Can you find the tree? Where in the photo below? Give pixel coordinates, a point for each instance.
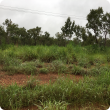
(106, 25)
(34, 34)
(11, 31)
(68, 28)
(7, 23)
(80, 32)
(95, 21)
(46, 38)
(76, 41)
(2, 34)
(60, 39)
(23, 35)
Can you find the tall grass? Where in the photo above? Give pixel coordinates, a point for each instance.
(76, 60)
(22, 59)
(63, 90)
(68, 54)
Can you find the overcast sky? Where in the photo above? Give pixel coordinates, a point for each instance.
(50, 15)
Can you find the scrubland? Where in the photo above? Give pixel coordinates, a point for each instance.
(91, 62)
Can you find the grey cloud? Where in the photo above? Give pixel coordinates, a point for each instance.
(48, 23)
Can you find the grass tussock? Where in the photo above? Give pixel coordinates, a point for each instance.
(78, 60)
(62, 90)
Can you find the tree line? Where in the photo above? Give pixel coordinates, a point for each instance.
(94, 32)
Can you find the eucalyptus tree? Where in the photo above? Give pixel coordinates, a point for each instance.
(23, 36)
(106, 26)
(34, 34)
(60, 40)
(94, 19)
(68, 28)
(7, 24)
(2, 35)
(11, 31)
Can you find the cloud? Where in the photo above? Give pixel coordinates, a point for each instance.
(52, 24)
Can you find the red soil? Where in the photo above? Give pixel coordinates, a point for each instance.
(22, 79)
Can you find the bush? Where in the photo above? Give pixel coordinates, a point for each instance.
(24, 68)
(99, 70)
(38, 64)
(44, 70)
(58, 66)
(77, 70)
(83, 62)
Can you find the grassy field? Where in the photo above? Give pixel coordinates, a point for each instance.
(88, 94)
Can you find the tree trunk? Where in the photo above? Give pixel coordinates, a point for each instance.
(96, 39)
(105, 38)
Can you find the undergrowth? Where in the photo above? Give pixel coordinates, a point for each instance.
(62, 90)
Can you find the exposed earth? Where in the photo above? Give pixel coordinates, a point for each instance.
(21, 79)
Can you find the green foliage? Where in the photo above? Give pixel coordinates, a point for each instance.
(23, 68)
(107, 57)
(58, 66)
(67, 29)
(92, 49)
(47, 54)
(98, 70)
(43, 70)
(38, 64)
(29, 54)
(77, 70)
(53, 105)
(35, 33)
(94, 22)
(83, 62)
(97, 21)
(57, 95)
(31, 83)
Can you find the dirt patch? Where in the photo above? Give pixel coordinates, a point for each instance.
(21, 79)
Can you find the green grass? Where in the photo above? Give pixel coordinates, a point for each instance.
(86, 61)
(63, 90)
(43, 70)
(28, 59)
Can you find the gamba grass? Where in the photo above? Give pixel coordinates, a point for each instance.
(27, 59)
(62, 90)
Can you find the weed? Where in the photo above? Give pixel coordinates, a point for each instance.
(24, 68)
(31, 83)
(53, 105)
(43, 70)
(38, 64)
(77, 70)
(58, 66)
(83, 62)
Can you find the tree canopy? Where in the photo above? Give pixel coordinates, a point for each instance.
(94, 32)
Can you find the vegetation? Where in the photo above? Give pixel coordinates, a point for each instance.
(95, 32)
(63, 92)
(30, 52)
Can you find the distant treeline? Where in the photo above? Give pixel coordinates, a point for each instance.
(95, 32)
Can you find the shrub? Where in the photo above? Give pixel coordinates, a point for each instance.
(38, 63)
(8, 61)
(24, 68)
(82, 61)
(58, 66)
(77, 70)
(31, 83)
(44, 70)
(99, 70)
(53, 105)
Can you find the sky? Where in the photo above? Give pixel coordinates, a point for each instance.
(50, 15)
